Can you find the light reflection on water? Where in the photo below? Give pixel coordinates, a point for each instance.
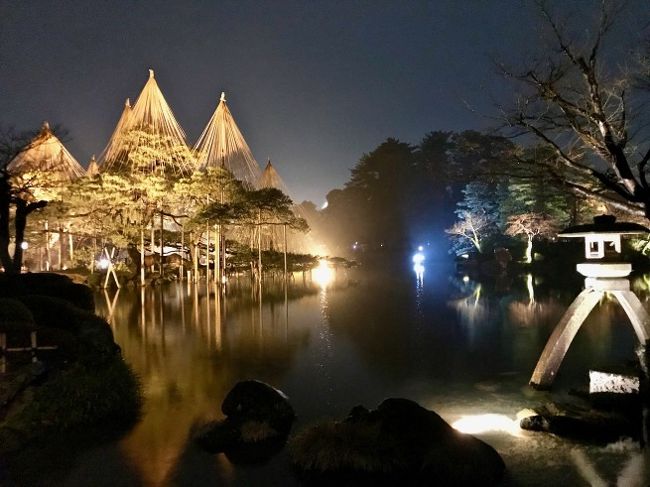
(458, 346)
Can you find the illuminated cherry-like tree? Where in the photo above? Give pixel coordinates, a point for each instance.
(531, 226)
(471, 228)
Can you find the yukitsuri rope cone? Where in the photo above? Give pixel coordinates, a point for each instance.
(273, 236)
(46, 155)
(148, 138)
(222, 145)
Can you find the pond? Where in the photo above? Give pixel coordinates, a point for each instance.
(459, 346)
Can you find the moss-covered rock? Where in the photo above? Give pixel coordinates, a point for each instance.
(83, 382)
(68, 398)
(259, 418)
(399, 443)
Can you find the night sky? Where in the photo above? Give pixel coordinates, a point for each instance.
(312, 85)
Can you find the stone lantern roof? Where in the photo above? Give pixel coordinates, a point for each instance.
(604, 224)
(603, 246)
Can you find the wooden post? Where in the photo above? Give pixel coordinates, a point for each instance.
(60, 248)
(195, 261)
(224, 248)
(217, 256)
(48, 255)
(92, 257)
(70, 248)
(142, 280)
(259, 244)
(285, 249)
(153, 250)
(207, 251)
(3, 351)
(182, 267)
(161, 243)
(110, 271)
(34, 346)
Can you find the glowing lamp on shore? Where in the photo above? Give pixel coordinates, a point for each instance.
(24, 245)
(103, 263)
(323, 274)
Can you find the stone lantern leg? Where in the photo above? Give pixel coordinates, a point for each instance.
(604, 274)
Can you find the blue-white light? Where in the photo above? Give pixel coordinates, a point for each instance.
(418, 258)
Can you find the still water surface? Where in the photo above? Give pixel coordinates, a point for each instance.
(457, 346)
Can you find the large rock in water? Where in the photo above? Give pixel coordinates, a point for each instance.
(257, 424)
(399, 443)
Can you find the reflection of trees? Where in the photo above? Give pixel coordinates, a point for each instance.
(472, 311)
(372, 316)
(189, 345)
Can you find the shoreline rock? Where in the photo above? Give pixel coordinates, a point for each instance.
(257, 424)
(399, 443)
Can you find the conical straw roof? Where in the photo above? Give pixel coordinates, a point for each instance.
(110, 153)
(271, 179)
(149, 126)
(46, 157)
(222, 145)
(93, 167)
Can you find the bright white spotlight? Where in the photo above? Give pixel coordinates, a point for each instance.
(420, 248)
(483, 423)
(323, 274)
(418, 258)
(103, 263)
(24, 245)
(465, 278)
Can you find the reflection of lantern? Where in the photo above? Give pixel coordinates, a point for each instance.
(604, 272)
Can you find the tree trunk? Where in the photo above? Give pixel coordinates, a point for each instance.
(23, 209)
(529, 250)
(259, 244)
(285, 249)
(5, 204)
(161, 243)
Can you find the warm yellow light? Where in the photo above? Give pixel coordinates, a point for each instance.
(323, 274)
(482, 423)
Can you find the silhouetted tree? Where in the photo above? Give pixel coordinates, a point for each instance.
(17, 200)
(586, 111)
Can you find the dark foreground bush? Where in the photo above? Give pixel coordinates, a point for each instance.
(83, 382)
(69, 398)
(47, 284)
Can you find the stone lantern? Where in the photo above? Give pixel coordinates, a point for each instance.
(604, 272)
